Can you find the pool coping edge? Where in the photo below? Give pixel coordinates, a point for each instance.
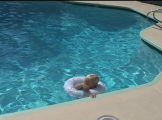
(127, 8)
(100, 96)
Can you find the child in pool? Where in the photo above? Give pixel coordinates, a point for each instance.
(90, 82)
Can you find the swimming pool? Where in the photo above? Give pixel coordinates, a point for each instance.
(42, 48)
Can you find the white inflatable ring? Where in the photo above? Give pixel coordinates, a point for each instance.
(70, 83)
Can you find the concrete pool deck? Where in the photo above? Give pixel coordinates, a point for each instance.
(143, 102)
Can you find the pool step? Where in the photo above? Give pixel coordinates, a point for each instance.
(152, 35)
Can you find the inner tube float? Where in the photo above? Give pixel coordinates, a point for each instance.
(70, 83)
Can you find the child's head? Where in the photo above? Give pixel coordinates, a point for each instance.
(91, 80)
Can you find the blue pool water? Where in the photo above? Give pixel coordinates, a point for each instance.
(43, 44)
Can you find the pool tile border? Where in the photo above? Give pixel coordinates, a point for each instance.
(110, 6)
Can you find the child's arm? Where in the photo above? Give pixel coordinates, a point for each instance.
(79, 86)
(93, 95)
(86, 88)
(82, 86)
